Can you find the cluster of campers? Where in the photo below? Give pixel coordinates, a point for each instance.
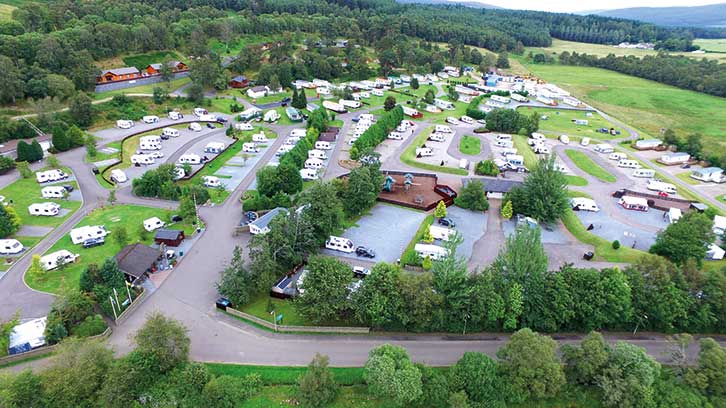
(365, 121)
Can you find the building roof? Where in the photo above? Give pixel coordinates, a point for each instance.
(677, 155)
(31, 332)
(264, 221)
(709, 170)
(121, 71)
(136, 259)
(494, 185)
(259, 88)
(158, 64)
(648, 142)
(168, 234)
(239, 78)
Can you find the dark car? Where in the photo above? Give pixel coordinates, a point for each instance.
(92, 242)
(164, 137)
(95, 170)
(588, 255)
(447, 222)
(285, 101)
(176, 218)
(68, 187)
(251, 215)
(210, 125)
(221, 119)
(365, 252)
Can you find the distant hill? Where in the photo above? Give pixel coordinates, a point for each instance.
(698, 16)
(472, 4)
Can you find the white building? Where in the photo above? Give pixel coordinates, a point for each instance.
(707, 174)
(258, 91)
(719, 225)
(261, 225)
(675, 158)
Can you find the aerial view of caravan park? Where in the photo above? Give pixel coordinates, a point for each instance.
(362, 204)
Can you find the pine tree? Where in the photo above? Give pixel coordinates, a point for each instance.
(440, 211)
(60, 140)
(507, 211)
(295, 98)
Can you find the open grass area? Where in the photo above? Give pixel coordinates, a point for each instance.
(603, 248)
(575, 180)
(258, 307)
(25, 192)
(711, 44)
(470, 145)
(130, 217)
(686, 177)
(6, 11)
(141, 61)
(273, 375)
(647, 105)
(168, 87)
(234, 47)
(586, 164)
(602, 50)
(409, 157)
(561, 121)
(530, 158)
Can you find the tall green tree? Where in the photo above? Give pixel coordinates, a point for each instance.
(476, 374)
(9, 221)
(584, 362)
(325, 292)
(472, 197)
(686, 239)
(627, 379)
(543, 196)
(391, 375)
(165, 340)
(323, 208)
(377, 302)
(317, 387)
(81, 110)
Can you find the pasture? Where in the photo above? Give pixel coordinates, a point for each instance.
(602, 50)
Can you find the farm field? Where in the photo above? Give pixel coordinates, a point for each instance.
(562, 122)
(646, 105)
(713, 45)
(602, 50)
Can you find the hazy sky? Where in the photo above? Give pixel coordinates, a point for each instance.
(579, 5)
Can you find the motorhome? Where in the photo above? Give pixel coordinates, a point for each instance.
(339, 244)
(190, 159)
(656, 185)
(309, 174)
(437, 137)
(506, 151)
(628, 164)
(583, 204)
(452, 120)
(504, 143)
(283, 149)
(411, 112)
(118, 176)
(541, 149)
(124, 124)
(603, 148)
(322, 90)
(179, 173)
(82, 234)
(349, 103)
(211, 181)
(467, 120)
(214, 147)
(260, 138)
(174, 115)
(565, 139)
(150, 119)
(153, 223)
(443, 129)
(515, 159)
(142, 159)
(171, 132)
(314, 164)
(195, 127)
(323, 145)
(150, 142)
(433, 252)
(317, 154)
(424, 152)
(617, 156)
(10, 247)
(442, 104)
(243, 126)
(48, 209)
(645, 173)
(439, 232)
(55, 259)
(53, 192)
(50, 175)
(200, 111)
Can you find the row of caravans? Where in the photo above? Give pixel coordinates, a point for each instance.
(623, 161)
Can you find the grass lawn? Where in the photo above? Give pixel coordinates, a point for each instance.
(24, 192)
(5, 11)
(129, 216)
(586, 164)
(686, 177)
(258, 308)
(603, 248)
(575, 193)
(101, 156)
(274, 375)
(561, 121)
(141, 61)
(234, 48)
(145, 89)
(470, 145)
(601, 50)
(409, 157)
(530, 158)
(575, 180)
(647, 105)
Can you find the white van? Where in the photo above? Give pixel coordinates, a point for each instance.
(452, 120)
(190, 159)
(434, 252)
(200, 111)
(150, 119)
(645, 173)
(260, 138)
(629, 164)
(515, 159)
(171, 132)
(584, 204)
(211, 181)
(48, 209)
(243, 126)
(124, 124)
(437, 137)
(309, 174)
(314, 164)
(504, 143)
(617, 156)
(153, 223)
(424, 152)
(657, 185)
(195, 127)
(339, 244)
(142, 159)
(118, 176)
(317, 154)
(467, 120)
(250, 148)
(323, 145)
(443, 129)
(565, 139)
(53, 192)
(175, 115)
(585, 141)
(442, 233)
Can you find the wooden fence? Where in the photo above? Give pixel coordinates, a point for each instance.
(306, 329)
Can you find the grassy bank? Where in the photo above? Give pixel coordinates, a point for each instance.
(470, 145)
(586, 164)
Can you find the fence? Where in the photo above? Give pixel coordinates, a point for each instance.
(306, 329)
(133, 306)
(42, 351)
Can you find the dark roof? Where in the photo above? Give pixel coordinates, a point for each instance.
(239, 78)
(264, 221)
(494, 185)
(136, 259)
(168, 234)
(259, 88)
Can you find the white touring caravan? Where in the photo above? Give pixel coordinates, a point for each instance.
(200, 111)
(395, 136)
(656, 185)
(53, 192)
(171, 132)
(150, 119)
(339, 244)
(190, 159)
(424, 152)
(467, 120)
(50, 175)
(83, 234)
(437, 137)
(507, 144)
(142, 159)
(317, 154)
(314, 164)
(54, 259)
(48, 209)
(153, 223)
(214, 147)
(323, 145)
(452, 120)
(434, 252)
(617, 156)
(211, 181)
(644, 173)
(442, 129)
(124, 124)
(603, 148)
(175, 115)
(243, 126)
(442, 233)
(565, 139)
(10, 247)
(584, 204)
(628, 164)
(150, 143)
(298, 133)
(196, 127)
(260, 138)
(250, 148)
(283, 149)
(309, 174)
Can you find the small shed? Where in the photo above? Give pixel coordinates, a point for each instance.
(169, 237)
(240, 81)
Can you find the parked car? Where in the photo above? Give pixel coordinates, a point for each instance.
(447, 222)
(251, 216)
(68, 187)
(365, 252)
(176, 218)
(360, 272)
(285, 101)
(164, 137)
(210, 125)
(221, 119)
(92, 242)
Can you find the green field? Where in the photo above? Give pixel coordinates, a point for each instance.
(470, 145)
(238, 45)
(24, 192)
(647, 105)
(712, 45)
(561, 121)
(602, 50)
(5, 11)
(586, 164)
(409, 157)
(575, 180)
(129, 216)
(530, 158)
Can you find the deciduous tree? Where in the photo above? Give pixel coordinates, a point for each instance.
(317, 387)
(326, 293)
(390, 374)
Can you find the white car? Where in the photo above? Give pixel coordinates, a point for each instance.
(118, 176)
(156, 154)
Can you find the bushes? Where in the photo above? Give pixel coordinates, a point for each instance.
(472, 197)
(228, 392)
(255, 201)
(473, 111)
(91, 326)
(486, 168)
(378, 132)
(32, 152)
